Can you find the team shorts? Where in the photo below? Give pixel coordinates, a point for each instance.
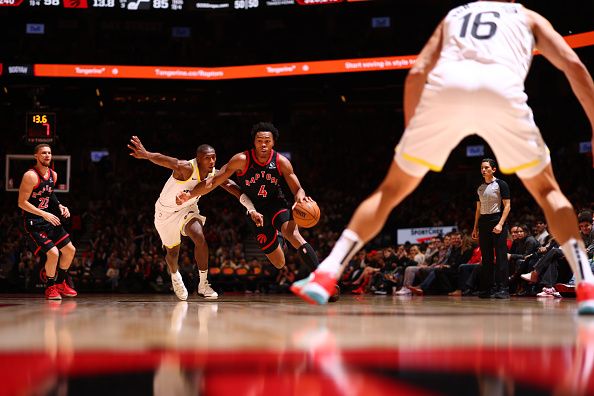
(171, 225)
(275, 215)
(466, 98)
(44, 236)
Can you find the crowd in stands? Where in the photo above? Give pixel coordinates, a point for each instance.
(112, 206)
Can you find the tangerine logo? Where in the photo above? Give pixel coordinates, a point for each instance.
(261, 239)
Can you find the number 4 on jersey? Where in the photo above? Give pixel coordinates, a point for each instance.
(263, 192)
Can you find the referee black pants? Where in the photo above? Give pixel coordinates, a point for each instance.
(495, 267)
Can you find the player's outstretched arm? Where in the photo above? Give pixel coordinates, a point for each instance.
(553, 47)
(286, 168)
(417, 76)
(182, 169)
(235, 164)
(231, 187)
(26, 188)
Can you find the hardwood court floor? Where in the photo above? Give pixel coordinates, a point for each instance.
(277, 345)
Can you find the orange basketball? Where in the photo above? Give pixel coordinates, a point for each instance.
(306, 214)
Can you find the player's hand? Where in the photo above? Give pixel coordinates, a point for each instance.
(497, 229)
(299, 199)
(208, 182)
(257, 218)
(475, 234)
(181, 197)
(51, 218)
(138, 150)
(65, 212)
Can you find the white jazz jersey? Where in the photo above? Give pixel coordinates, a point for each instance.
(172, 187)
(477, 87)
(489, 32)
(171, 219)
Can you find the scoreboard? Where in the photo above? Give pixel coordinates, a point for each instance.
(175, 5)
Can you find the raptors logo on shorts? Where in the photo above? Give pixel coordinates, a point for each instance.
(261, 239)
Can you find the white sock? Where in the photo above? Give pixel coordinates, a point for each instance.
(575, 253)
(345, 248)
(203, 275)
(176, 274)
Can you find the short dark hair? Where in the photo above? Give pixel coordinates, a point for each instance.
(265, 127)
(585, 216)
(490, 161)
(40, 146)
(203, 148)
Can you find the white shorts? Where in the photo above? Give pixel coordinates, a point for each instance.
(171, 225)
(493, 108)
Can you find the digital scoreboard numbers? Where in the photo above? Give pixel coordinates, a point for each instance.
(245, 4)
(102, 3)
(40, 127)
(141, 5)
(45, 3)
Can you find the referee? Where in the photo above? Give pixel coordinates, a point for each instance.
(492, 209)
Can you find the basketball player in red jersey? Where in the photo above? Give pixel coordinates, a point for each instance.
(41, 211)
(259, 172)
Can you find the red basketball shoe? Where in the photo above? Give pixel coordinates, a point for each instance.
(585, 298)
(65, 290)
(319, 288)
(52, 293)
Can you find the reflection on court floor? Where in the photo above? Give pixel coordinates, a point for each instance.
(276, 345)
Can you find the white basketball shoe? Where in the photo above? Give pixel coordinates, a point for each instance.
(178, 286)
(206, 291)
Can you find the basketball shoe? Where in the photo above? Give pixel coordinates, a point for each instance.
(206, 291)
(52, 293)
(585, 298)
(297, 288)
(317, 288)
(65, 290)
(178, 286)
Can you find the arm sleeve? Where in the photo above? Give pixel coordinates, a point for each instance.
(54, 199)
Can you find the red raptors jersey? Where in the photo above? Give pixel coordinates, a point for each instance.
(41, 194)
(261, 181)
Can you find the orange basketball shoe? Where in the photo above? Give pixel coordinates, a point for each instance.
(65, 290)
(52, 293)
(585, 298)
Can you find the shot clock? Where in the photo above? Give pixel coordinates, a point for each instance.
(41, 127)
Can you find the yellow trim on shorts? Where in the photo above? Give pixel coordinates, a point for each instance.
(530, 164)
(420, 161)
(172, 246)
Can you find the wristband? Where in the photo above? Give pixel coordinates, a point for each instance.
(247, 203)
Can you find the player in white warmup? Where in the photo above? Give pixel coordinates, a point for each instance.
(174, 219)
(469, 79)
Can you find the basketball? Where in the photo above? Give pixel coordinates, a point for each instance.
(306, 214)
